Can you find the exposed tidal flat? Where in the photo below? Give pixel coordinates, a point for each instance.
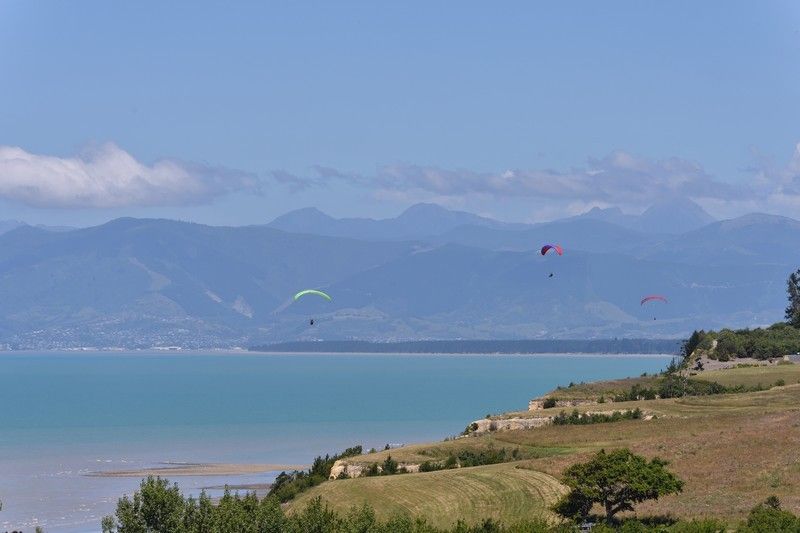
(230, 418)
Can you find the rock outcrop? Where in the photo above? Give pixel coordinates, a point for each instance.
(537, 404)
(487, 425)
(357, 470)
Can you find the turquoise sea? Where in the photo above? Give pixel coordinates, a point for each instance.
(63, 416)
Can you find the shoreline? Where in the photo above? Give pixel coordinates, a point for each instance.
(198, 469)
(256, 353)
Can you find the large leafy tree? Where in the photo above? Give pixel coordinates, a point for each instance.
(793, 292)
(615, 480)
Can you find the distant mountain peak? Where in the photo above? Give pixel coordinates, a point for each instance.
(685, 205)
(425, 207)
(416, 222)
(674, 215)
(304, 212)
(607, 210)
(670, 215)
(758, 219)
(441, 218)
(304, 220)
(8, 225)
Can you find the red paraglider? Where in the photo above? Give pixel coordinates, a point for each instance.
(557, 247)
(653, 297)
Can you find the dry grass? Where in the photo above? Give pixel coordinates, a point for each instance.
(753, 376)
(607, 389)
(438, 451)
(732, 450)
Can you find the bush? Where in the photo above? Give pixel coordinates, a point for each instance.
(389, 466)
(549, 403)
(768, 517)
(429, 466)
(729, 345)
(576, 418)
(636, 392)
(470, 428)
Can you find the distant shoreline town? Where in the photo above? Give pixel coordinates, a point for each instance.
(531, 346)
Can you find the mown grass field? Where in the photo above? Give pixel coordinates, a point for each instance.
(471, 494)
(732, 450)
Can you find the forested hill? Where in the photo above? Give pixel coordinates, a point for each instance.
(610, 346)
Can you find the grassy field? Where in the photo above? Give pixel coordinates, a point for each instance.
(732, 450)
(438, 451)
(471, 494)
(607, 389)
(752, 376)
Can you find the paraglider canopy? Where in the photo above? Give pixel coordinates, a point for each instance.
(557, 247)
(653, 297)
(312, 291)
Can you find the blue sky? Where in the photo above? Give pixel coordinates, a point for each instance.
(523, 111)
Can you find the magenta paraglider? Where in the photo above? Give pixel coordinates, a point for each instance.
(555, 247)
(653, 297)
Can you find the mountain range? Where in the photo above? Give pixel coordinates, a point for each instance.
(430, 273)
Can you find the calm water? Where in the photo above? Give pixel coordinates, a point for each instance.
(62, 416)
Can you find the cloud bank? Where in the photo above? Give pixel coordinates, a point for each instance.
(617, 178)
(620, 178)
(110, 177)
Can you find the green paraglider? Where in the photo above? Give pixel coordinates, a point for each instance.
(312, 291)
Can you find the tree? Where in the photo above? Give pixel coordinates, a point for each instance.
(793, 293)
(317, 517)
(615, 480)
(692, 343)
(156, 507)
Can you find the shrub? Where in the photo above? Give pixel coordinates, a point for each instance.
(470, 428)
(768, 517)
(548, 403)
(429, 466)
(389, 466)
(372, 470)
(576, 418)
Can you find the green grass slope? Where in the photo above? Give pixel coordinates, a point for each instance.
(506, 492)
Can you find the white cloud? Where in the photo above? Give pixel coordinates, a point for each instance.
(772, 188)
(108, 176)
(618, 179)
